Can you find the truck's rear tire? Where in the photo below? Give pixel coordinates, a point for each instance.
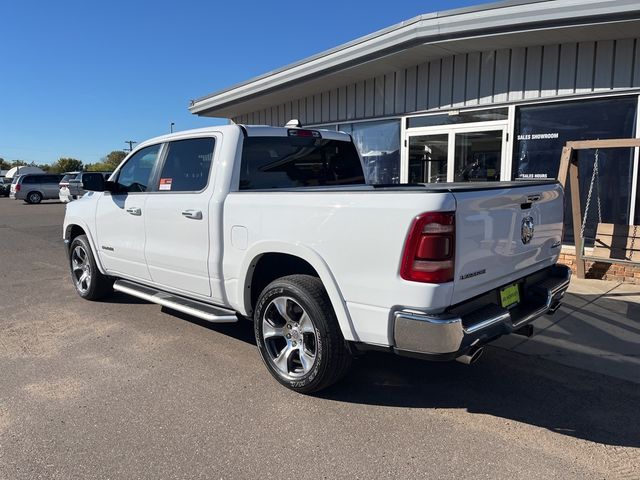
(298, 335)
(89, 282)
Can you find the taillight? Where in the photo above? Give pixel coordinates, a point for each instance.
(17, 189)
(304, 133)
(430, 247)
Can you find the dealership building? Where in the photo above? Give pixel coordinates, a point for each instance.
(486, 93)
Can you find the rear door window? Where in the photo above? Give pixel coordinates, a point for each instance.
(288, 162)
(68, 177)
(135, 174)
(187, 165)
(31, 179)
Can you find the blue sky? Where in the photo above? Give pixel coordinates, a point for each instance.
(77, 79)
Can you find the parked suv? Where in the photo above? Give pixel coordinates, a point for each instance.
(5, 186)
(71, 185)
(33, 188)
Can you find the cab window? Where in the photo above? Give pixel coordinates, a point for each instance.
(187, 166)
(134, 176)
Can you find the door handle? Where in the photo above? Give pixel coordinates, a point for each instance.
(137, 211)
(194, 214)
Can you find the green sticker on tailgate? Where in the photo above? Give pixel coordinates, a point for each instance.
(509, 295)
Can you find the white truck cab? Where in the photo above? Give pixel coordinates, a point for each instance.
(278, 225)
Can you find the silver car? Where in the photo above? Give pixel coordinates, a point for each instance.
(35, 187)
(71, 186)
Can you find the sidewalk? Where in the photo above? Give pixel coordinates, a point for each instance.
(596, 329)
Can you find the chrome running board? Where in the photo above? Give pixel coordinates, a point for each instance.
(204, 311)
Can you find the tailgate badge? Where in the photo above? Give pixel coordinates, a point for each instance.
(526, 233)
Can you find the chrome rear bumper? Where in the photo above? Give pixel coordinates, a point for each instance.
(449, 335)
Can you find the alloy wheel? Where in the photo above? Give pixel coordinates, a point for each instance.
(289, 336)
(81, 269)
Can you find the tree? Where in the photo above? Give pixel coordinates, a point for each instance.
(98, 167)
(66, 165)
(112, 160)
(4, 165)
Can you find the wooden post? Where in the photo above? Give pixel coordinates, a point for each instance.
(576, 212)
(564, 165)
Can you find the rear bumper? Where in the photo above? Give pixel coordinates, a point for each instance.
(478, 321)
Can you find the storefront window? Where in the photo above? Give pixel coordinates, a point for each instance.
(379, 146)
(542, 130)
(486, 115)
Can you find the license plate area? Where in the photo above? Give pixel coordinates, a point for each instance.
(510, 296)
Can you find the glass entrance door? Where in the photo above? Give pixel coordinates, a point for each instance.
(460, 154)
(428, 158)
(478, 156)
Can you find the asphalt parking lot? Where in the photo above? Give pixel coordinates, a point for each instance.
(123, 389)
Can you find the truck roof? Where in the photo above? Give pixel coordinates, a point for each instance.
(251, 131)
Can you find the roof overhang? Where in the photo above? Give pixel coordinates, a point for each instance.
(426, 37)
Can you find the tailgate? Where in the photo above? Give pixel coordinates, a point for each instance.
(503, 234)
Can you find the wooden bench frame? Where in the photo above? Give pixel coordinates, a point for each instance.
(569, 172)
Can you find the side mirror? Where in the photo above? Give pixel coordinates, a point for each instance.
(93, 182)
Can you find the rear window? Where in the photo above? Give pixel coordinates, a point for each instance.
(68, 177)
(287, 162)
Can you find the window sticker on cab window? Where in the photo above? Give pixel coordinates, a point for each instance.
(165, 184)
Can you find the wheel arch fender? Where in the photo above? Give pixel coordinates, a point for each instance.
(75, 222)
(310, 256)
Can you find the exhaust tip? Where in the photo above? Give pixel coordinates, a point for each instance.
(471, 357)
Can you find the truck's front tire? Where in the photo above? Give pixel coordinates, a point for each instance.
(89, 282)
(298, 336)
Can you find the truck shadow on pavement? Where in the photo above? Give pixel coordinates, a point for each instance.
(503, 384)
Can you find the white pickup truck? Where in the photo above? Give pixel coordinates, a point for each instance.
(279, 226)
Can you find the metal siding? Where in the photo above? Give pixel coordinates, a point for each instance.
(446, 82)
(355, 100)
(603, 74)
(287, 112)
(459, 80)
(533, 72)
(317, 108)
(501, 75)
(342, 103)
(306, 111)
(567, 73)
(487, 70)
(471, 79)
(399, 104)
(585, 67)
(549, 80)
(305, 118)
(281, 116)
(333, 105)
(623, 63)
(389, 93)
(423, 86)
(324, 98)
(378, 96)
(410, 89)
(636, 63)
(368, 98)
(472, 92)
(517, 73)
